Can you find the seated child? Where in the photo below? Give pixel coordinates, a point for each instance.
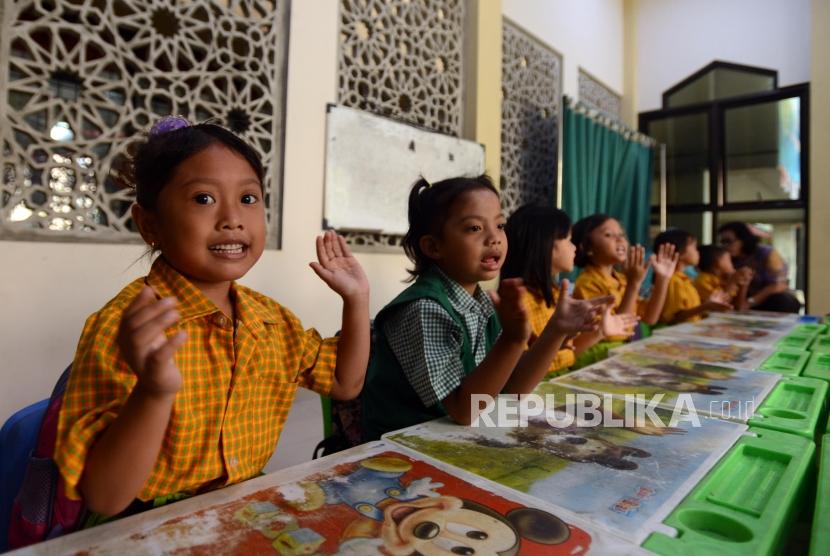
(443, 339)
(683, 303)
(716, 272)
(601, 246)
(183, 381)
(541, 248)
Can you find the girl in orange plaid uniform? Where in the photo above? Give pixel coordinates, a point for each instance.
(183, 381)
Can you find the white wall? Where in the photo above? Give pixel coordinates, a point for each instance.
(588, 34)
(48, 289)
(675, 38)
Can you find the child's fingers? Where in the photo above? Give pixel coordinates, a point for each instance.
(149, 332)
(601, 301)
(334, 244)
(322, 255)
(167, 349)
(144, 298)
(147, 312)
(344, 247)
(320, 271)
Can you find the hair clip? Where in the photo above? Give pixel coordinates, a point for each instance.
(168, 124)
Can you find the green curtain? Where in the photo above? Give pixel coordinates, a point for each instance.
(605, 172)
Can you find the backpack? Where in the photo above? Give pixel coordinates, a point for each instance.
(41, 509)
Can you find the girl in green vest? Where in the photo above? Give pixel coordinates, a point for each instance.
(443, 339)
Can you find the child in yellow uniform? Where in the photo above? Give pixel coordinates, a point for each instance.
(541, 248)
(716, 272)
(183, 381)
(683, 303)
(601, 246)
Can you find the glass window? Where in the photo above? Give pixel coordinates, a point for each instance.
(699, 224)
(687, 158)
(720, 83)
(763, 151)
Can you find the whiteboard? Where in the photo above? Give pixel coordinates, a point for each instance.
(372, 162)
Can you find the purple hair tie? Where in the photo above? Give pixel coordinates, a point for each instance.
(168, 124)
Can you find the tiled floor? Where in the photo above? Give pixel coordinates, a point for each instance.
(302, 431)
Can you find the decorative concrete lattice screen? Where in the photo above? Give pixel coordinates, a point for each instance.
(531, 100)
(402, 59)
(81, 78)
(594, 94)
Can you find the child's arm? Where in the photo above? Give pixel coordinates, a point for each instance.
(717, 302)
(664, 263)
(120, 462)
(634, 268)
(492, 373)
(611, 325)
(338, 268)
(571, 317)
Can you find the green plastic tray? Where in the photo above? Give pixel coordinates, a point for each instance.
(796, 341)
(818, 366)
(746, 504)
(813, 329)
(788, 362)
(820, 537)
(821, 344)
(795, 406)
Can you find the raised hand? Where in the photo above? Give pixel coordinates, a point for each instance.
(617, 325)
(635, 265)
(718, 301)
(515, 321)
(143, 343)
(664, 262)
(743, 276)
(573, 316)
(338, 268)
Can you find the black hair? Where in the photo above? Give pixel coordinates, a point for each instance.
(749, 241)
(156, 158)
(709, 255)
(531, 233)
(429, 207)
(582, 237)
(676, 236)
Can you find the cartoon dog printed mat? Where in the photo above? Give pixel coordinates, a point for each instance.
(714, 391)
(698, 350)
(371, 500)
(734, 330)
(624, 479)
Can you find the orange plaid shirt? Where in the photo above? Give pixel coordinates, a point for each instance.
(680, 296)
(592, 283)
(540, 314)
(239, 383)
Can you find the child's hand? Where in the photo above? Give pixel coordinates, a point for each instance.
(743, 276)
(635, 266)
(512, 312)
(338, 268)
(573, 316)
(664, 262)
(148, 351)
(617, 325)
(719, 301)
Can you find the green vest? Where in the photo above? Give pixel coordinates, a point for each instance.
(389, 400)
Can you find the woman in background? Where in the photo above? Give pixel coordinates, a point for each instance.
(768, 290)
